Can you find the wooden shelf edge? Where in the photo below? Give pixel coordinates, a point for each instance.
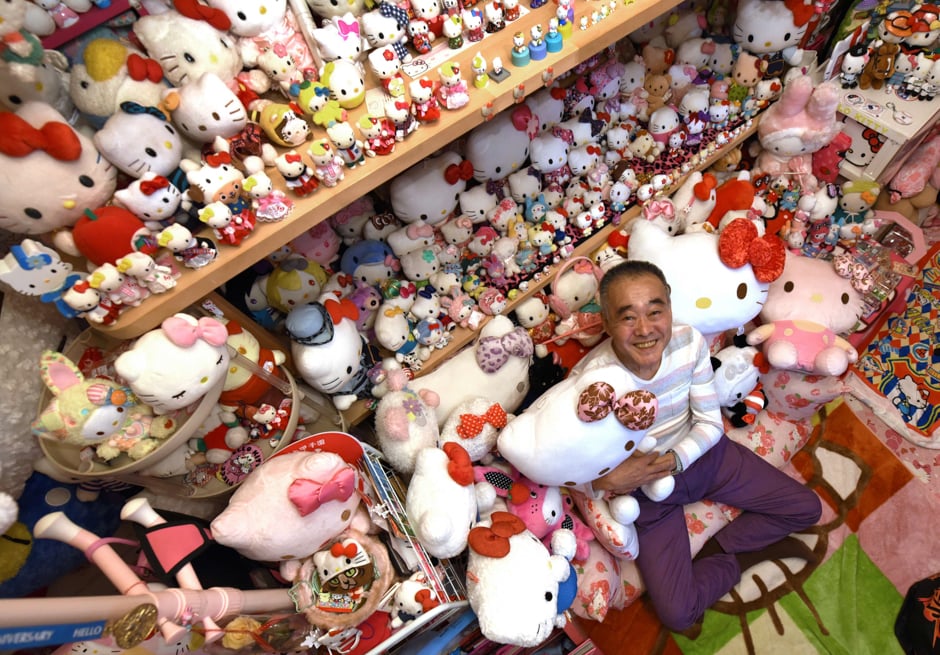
(268, 237)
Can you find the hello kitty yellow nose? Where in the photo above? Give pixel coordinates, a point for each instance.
(68, 204)
(703, 303)
(263, 10)
(767, 44)
(168, 145)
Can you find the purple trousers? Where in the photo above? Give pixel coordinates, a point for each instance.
(774, 505)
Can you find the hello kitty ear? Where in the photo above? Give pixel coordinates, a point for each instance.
(58, 372)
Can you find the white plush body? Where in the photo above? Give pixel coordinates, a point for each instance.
(440, 509)
(263, 524)
(405, 424)
(461, 378)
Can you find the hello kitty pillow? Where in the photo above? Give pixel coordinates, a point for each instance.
(429, 190)
(500, 146)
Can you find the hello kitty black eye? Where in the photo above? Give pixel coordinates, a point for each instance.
(33, 213)
(189, 58)
(150, 152)
(241, 15)
(169, 128)
(750, 38)
(179, 395)
(15, 100)
(786, 37)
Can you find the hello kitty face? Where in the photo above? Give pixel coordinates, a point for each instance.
(525, 185)
(68, 185)
(283, 125)
(583, 158)
(452, 27)
(384, 63)
(381, 30)
(187, 48)
(498, 147)
(548, 153)
(427, 304)
(721, 61)
(421, 89)
(634, 75)
(748, 70)
(664, 121)
(206, 109)
(418, 28)
(340, 38)
(250, 18)
(342, 135)
(139, 140)
(472, 19)
(693, 52)
(33, 269)
(439, 191)
(346, 83)
(476, 203)
(766, 26)
(718, 112)
(548, 103)
(213, 183)
(151, 198)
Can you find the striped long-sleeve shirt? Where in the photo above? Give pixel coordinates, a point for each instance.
(688, 419)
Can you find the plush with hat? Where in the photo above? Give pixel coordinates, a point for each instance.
(495, 367)
(291, 506)
(805, 311)
(504, 556)
(36, 143)
(441, 499)
(801, 122)
(96, 411)
(405, 421)
(176, 364)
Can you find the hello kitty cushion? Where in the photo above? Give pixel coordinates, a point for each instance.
(178, 363)
(440, 179)
(500, 146)
(37, 143)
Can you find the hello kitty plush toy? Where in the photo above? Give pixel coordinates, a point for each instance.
(399, 111)
(341, 38)
(424, 103)
(420, 34)
(441, 180)
(315, 101)
(345, 81)
(452, 93)
(299, 177)
(205, 96)
(191, 250)
(138, 140)
(772, 30)
(75, 176)
(90, 304)
(277, 64)
(157, 278)
(228, 227)
(386, 66)
(345, 144)
(378, 135)
(152, 199)
(119, 288)
(387, 25)
(801, 122)
(33, 269)
(328, 167)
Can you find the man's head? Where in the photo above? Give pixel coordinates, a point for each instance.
(637, 314)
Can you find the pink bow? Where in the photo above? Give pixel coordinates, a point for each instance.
(493, 352)
(308, 495)
(347, 28)
(419, 230)
(182, 333)
(654, 209)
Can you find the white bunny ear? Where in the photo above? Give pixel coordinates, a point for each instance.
(58, 372)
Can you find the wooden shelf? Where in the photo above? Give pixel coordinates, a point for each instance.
(268, 237)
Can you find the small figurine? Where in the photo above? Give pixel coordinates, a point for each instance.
(328, 167)
(314, 100)
(473, 23)
(495, 21)
(398, 110)
(346, 144)
(34, 269)
(553, 40)
(565, 22)
(379, 135)
(499, 73)
(386, 66)
(229, 227)
(193, 251)
(424, 105)
(452, 7)
(478, 66)
(511, 10)
(520, 51)
(453, 30)
(583, 23)
(298, 176)
(453, 93)
(537, 49)
(420, 35)
(143, 268)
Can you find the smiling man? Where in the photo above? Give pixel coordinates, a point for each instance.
(673, 362)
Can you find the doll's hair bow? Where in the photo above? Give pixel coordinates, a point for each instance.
(182, 333)
(664, 209)
(635, 410)
(349, 550)
(418, 230)
(525, 120)
(216, 159)
(142, 68)
(425, 83)
(738, 244)
(390, 10)
(18, 138)
(493, 541)
(347, 28)
(150, 187)
(493, 352)
(340, 309)
(456, 172)
(471, 425)
(308, 495)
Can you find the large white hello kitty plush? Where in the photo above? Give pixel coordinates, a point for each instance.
(476, 203)
(206, 108)
(178, 363)
(187, 48)
(328, 9)
(500, 146)
(429, 190)
(37, 144)
(30, 73)
(772, 30)
(139, 140)
(440, 503)
(548, 104)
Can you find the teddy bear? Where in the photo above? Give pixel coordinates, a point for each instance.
(97, 412)
(73, 169)
(801, 122)
(879, 67)
(441, 499)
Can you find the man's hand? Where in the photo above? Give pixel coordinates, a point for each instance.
(635, 471)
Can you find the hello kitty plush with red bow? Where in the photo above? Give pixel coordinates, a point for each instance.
(440, 179)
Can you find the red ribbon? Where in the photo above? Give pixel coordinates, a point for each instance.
(141, 68)
(471, 425)
(18, 138)
(456, 172)
(738, 244)
(217, 159)
(339, 550)
(215, 17)
(340, 309)
(150, 187)
(459, 466)
(493, 541)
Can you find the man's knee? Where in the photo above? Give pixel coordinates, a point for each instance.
(677, 619)
(807, 509)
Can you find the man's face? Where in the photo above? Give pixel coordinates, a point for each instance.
(638, 317)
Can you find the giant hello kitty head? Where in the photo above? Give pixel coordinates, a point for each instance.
(140, 139)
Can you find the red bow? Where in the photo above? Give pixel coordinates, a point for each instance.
(456, 172)
(18, 138)
(493, 541)
(192, 9)
(339, 550)
(308, 495)
(426, 600)
(426, 83)
(525, 121)
(140, 69)
(702, 190)
(150, 187)
(217, 159)
(459, 466)
(292, 158)
(471, 425)
(340, 309)
(401, 105)
(593, 150)
(738, 244)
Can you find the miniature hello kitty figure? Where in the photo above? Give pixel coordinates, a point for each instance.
(398, 110)
(478, 66)
(386, 66)
(511, 10)
(379, 135)
(63, 15)
(453, 30)
(147, 272)
(152, 199)
(229, 227)
(298, 176)
(193, 251)
(119, 288)
(34, 269)
(346, 145)
(452, 93)
(473, 24)
(90, 304)
(328, 167)
(420, 35)
(424, 104)
(495, 21)
(268, 203)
